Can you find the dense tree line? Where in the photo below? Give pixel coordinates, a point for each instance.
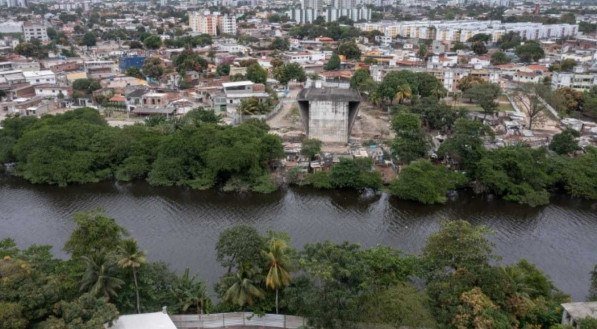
(456, 282)
(321, 29)
(516, 173)
(106, 274)
(79, 147)
(460, 282)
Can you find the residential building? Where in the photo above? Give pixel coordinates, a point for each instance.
(99, 69)
(464, 29)
(234, 93)
(227, 24)
(52, 90)
(574, 312)
(304, 57)
(209, 23)
(17, 3)
(579, 80)
(40, 77)
(33, 30)
(12, 78)
(330, 14)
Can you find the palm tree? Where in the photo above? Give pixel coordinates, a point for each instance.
(278, 275)
(189, 292)
(99, 276)
(244, 290)
(403, 92)
(131, 257)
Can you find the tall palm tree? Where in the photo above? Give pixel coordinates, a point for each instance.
(244, 291)
(99, 277)
(278, 262)
(131, 257)
(189, 292)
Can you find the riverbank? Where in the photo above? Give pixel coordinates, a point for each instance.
(180, 226)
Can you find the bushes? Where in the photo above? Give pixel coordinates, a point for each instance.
(426, 183)
(517, 174)
(347, 174)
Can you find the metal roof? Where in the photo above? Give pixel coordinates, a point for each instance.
(157, 320)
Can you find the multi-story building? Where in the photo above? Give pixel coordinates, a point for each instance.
(304, 57)
(212, 23)
(330, 14)
(40, 77)
(17, 3)
(33, 30)
(463, 30)
(579, 80)
(316, 5)
(204, 23)
(227, 24)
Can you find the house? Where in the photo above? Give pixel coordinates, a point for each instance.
(304, 57)
(12, 78)
(40, 77)
(134, 98)
(52, 90)
(575, 312)
(157, 320)
(235, 92)
(527, 77)
(99, 69)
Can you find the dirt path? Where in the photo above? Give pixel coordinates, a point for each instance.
(284, 119)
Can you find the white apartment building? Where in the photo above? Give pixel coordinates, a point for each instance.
(577, 80)
(232, 48)
(35, 31)
(463, 30)
(227, 24)
(304, 57)
(40, 77)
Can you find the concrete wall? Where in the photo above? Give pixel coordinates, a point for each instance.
(328, 121)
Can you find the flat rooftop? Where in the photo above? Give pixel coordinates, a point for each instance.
(581, 310)
(329, 94)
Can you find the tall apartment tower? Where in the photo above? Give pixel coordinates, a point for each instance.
(317, 5)
(344, 4)
(227, 24)
(212, 23)
(17, 3)
(204, 23)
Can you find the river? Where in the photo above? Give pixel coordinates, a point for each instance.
(181, 226)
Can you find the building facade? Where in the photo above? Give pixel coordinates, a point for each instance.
(212, 23)
(463, 30)
(37, 31)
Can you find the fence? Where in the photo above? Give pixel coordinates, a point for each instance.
(237, 320)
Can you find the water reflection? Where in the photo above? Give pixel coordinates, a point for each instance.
(181, 226)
